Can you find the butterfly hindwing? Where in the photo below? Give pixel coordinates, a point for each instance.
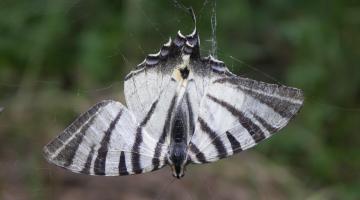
(106, 140)
(149, 80)
(237, 113)
(152, 87)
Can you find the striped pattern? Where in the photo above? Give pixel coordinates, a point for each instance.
(135, 159)
(165, 133)
(235, 145)
(219, 146)
(100, 160)
(154, 75)
(122, 165)
(256, 133)
(102, 142)
(243, 114)
(86, 168)
(221, 114)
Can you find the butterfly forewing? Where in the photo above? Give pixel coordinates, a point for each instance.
(237, 113)
(106, 140)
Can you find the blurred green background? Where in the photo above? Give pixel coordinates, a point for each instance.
(59, 57)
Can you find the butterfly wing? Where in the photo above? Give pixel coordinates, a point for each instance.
(237, 113)
(150, 80)
(106, 140)
(151, 89)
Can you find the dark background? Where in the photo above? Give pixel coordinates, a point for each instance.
(59, 57)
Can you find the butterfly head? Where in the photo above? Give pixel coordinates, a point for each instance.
(178, 159)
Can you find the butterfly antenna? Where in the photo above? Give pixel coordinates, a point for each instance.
(192, 13)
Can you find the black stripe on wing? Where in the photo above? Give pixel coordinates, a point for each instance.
(57, 143)
(83, 123)
(199, 155)
(191, 115)
(135, 158)
(86, 168)
(150, 113)
(68, 153)
(216, 141)
(266, 125)
(99, 166)
(277, 103)
(123, 171)
(255, 131)
(155, 160)
(235, 145)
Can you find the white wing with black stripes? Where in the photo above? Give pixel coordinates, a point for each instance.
(182, 109)
(106, 140)
(153, 86)
(237, 113)
(112, 140)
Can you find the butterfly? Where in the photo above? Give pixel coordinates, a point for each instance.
(181, 109)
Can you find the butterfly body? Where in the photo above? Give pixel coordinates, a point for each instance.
(180, 132)
(181, 109)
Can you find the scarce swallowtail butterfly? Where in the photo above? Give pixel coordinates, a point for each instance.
(181, 109)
